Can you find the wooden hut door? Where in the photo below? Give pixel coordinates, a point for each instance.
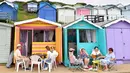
(72, 40)
(59, 43)
(118, 44)
(29, 42)
(126, 44)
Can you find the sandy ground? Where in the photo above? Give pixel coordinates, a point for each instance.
(125, 68)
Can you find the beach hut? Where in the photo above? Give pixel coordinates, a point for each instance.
(35, 34)
(47, 11)
(117, 35)
(66, 14)
(82, 34)
(5, 41)
(113, 12)
(126, 11)
(8, 11)
(99, 10)
(32, 7)
(82, 11)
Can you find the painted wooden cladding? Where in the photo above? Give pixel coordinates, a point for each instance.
(39, 47)
(59, 44)
(11, 11)
(82, 12)
(17, 37)
(5, 39)
(66, 15)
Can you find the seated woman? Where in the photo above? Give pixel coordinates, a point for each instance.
(73, 59)
(47, 59)
(95, 53)
(108, 59)
(85, 57)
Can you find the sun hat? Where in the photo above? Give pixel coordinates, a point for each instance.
(19, 45)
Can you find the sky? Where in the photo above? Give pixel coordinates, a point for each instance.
(94, 2)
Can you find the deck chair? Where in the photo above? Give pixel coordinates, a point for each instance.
(112, 66)
(72, 64)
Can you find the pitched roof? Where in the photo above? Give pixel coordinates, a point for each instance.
(35, 19)
(110, 6)
(6, 24)
(69, 7)
(42, 4)
(8, 3)
(72, 23)
(116, 21)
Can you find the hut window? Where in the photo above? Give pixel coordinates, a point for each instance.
(44, 36)
(38, 35)
(87, 35)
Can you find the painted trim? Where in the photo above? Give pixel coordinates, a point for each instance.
(34, 27)
(81, 20)
(35, 19)
(116, 21)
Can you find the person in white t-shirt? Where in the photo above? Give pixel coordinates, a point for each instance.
(47, 59)
(96, 53)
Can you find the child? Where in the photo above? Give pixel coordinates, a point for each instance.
(54, 52)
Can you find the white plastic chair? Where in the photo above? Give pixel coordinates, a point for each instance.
(35, 60)
(18, 63)
(53, 62)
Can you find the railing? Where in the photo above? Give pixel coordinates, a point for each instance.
(102, 18)
(95, 18)
(113, 17)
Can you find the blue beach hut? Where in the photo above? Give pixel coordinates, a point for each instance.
(47, 11)
(8, 10)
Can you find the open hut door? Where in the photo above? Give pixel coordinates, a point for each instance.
(59, 43)
(16, 37)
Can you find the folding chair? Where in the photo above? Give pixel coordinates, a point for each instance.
(112, 66)
(75, 66)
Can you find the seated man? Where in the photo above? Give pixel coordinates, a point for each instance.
(18, 56)
(108, 59)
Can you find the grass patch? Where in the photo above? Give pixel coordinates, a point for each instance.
(23, 15)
